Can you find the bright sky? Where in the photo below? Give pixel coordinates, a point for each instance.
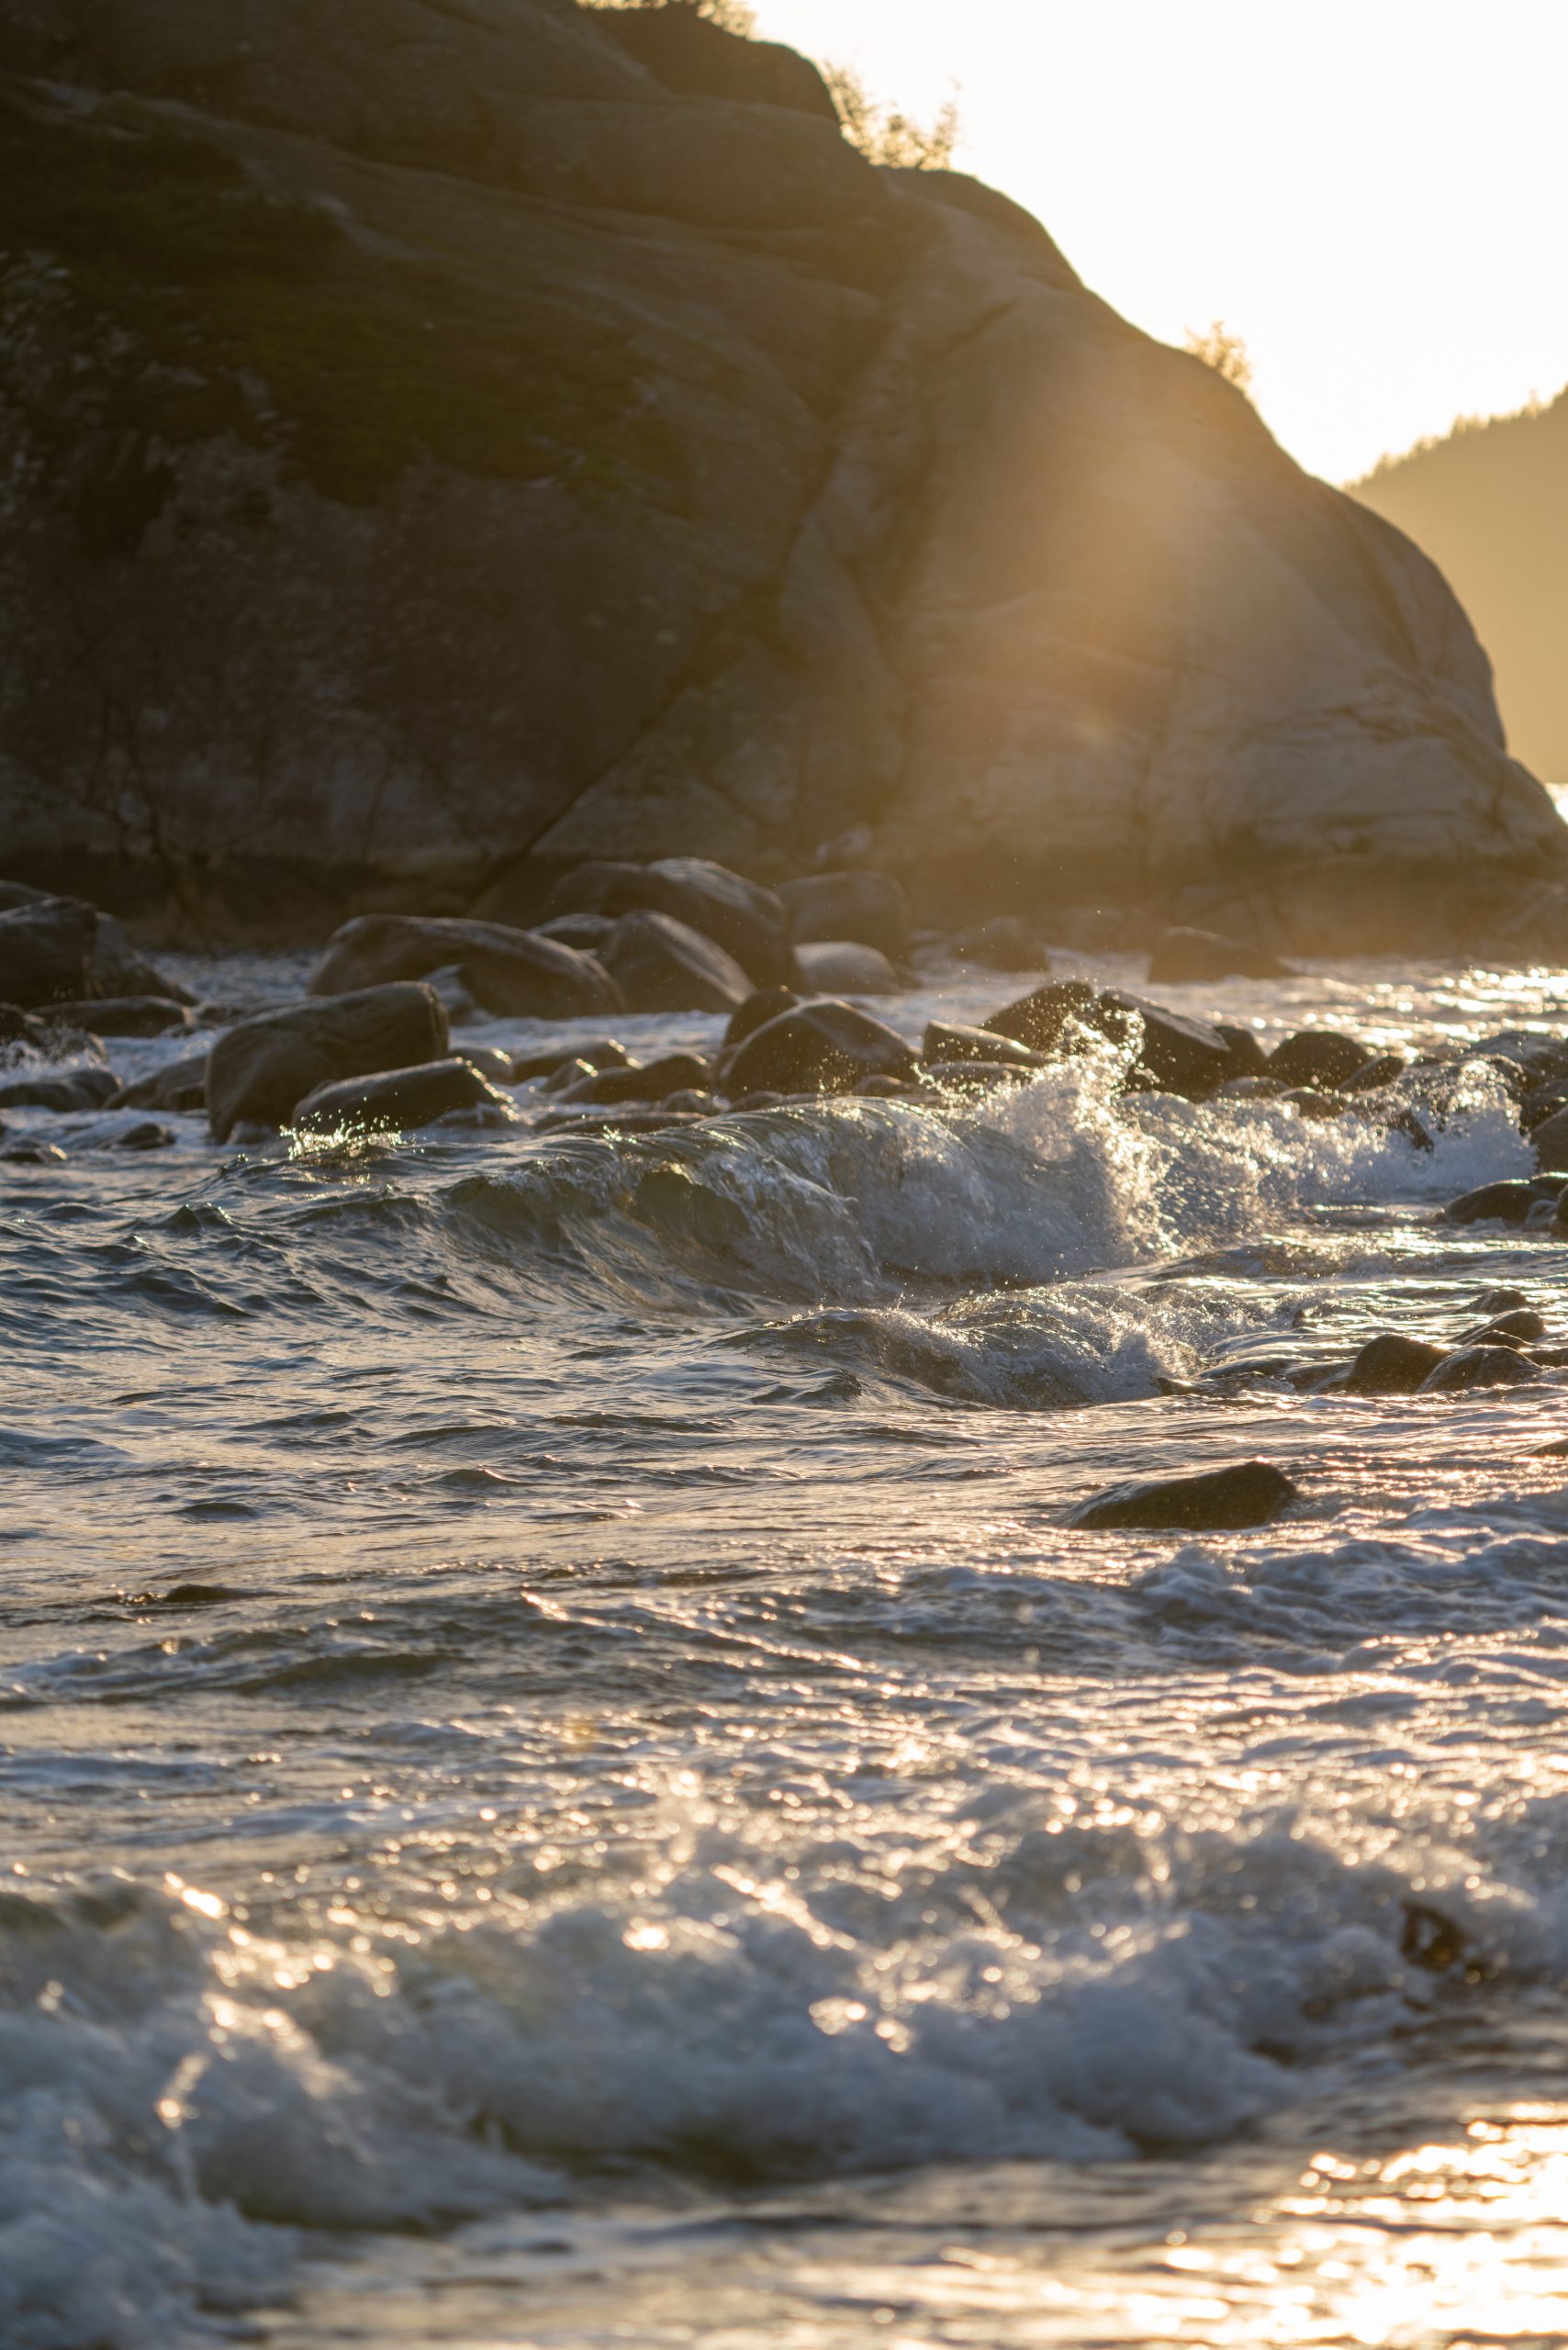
(1373, 192)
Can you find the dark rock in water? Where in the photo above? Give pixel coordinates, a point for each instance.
(1508, 1202)
(263, 1068)
(1550, 1140)
(145, 1135)
(841, 966)
(675, 1073)
(488, 1059)
(1392, 1364)
(1520, 1328)
(1185, 1057)
(757, 1010)
(869, 908)
(1247, 1057)
(1048, 1014)
(587, 932)
(1478, 1367)
(76, 1089)
(1005, 943)
(1311, 1104)
(740, 916)
(603, 1053)
(1183, 955)
(513, 973)
(178, 1085)
(125, 1015)
(1318, 1057)
(1500, 1301)
(118, 968)
(45, 951)
(823, 1047)
(19, 1027)
(1244, 1493)
(398, 1099)
(662, 965)
(946, 1041)
(1382, 1069)
(29, 1150)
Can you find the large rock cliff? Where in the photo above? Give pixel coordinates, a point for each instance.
(443, 439)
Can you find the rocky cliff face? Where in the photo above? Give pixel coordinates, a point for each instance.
(443, 439)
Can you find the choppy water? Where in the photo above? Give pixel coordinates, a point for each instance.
(566, 1786)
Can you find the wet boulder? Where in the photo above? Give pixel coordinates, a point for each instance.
(946, 1041)
(1177, 1054)
(746, 920)
(841, 966)
(662, 965)
(118, 968)
(1244, 1493)
(587, 932)
(821, 1047)
(66, 1090)
(869, 908)
(1478, 1367)
(1512, 1201)
(125, 1015)
(653, 1082)
(1048, 1016)
(1550, 1140)
(1247, 1057)
(1181, 955)
(515, 974)
(45, 951)
(178, 1085)
(263, 1068)
(1320, 1056)
(1518, 1329)
(1393, 1363)
(1380, 1070)
(603, 1053)
(397, 1101)
(764, 1005)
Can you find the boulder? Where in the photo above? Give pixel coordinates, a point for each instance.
(587, 932)
(1049, 1015)
(1550, 1140)
(1521, 1328)
(1393, 1363)
(1179, 955)
(662, 965)
(603, 1053)
(513, 973)
(1382, 1069)
(1512, 1201)
(1247, 1057)
(1318, 1057)
(76, 1089)
(118, 968)
(764, 1005)
(654, 1081)
(821, 1047)
(178, 1085)
(946, 1041)
(839, 967)
(1478, 1367)
(45, 951)
(263, 1068)
(869, 908)
(747, 920)
(129, 1015)
(1179, 1056)
(1244, 1493)
(399, 1099)
(1003, 942)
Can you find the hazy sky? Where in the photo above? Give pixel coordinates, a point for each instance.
(1374, 192)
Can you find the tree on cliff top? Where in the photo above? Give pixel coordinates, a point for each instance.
(886, 135)
(1223, 351)
(731, 16)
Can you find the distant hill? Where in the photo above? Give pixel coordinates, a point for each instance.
(1489, 505)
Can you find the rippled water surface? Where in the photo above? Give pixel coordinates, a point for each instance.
(567, 1785)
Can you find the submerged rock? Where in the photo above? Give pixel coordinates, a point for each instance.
(840, 967)
(263, 1068)
(662, 965)
(603, 1053)
(515, 974)
(398, 1099)
(76, 1089)
(1244, 1493)
(823, 1047)
(178, 1085)
(1511, 1201)
(1488, 1366)
(1181, 955)
(653, 1082)
(128, 1015)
